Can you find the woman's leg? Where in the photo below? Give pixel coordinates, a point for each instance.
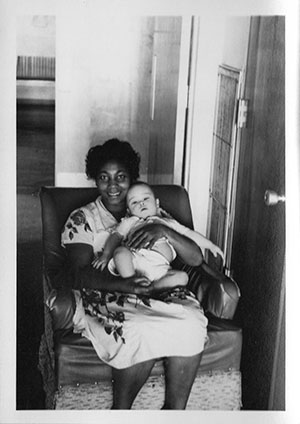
(180, 373)
(127, 382)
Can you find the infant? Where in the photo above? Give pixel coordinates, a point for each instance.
(154, 262)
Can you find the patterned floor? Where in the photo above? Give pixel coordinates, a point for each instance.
(217, 391)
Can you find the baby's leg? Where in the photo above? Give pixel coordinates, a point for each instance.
(173, 278)
(123, 262)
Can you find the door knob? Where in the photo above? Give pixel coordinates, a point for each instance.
(272, 198)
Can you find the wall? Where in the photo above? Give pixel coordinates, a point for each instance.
(236, 41)
(35, 35)
(227, 39)
(108, 81)
(105, 100)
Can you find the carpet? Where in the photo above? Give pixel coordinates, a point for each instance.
(214, 391)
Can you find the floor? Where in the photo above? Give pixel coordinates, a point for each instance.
(35, 167)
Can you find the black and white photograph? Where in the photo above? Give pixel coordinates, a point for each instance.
(140, 136)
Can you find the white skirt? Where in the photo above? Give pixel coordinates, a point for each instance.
(126, 333)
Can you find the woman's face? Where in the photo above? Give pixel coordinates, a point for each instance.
(113, 181)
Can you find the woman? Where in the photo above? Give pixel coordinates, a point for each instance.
(128, 331)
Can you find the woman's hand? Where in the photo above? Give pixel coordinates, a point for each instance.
(186, 248)
(146, 236)
(133, 285)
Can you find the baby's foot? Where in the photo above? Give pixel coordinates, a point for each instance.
(142, 281)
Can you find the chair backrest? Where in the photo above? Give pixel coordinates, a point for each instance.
(58, 202)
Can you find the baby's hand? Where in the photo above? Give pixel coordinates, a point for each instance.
(100, 261)
(215, 250)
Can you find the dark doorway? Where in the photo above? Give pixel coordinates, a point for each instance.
(35, 167)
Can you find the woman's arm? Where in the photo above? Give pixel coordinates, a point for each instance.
(186, 248)
(79, 273)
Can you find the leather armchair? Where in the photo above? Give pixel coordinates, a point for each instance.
(73, 360)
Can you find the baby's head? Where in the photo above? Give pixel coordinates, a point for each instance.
(141, 201)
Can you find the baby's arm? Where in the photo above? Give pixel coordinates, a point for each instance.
(114, 240)
(205, 243)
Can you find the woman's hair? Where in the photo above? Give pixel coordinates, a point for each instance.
(112, 150)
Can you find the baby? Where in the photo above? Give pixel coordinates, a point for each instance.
(153, 263)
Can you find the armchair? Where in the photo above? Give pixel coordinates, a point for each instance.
(75, 378)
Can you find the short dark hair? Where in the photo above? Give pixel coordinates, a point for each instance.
(140, 183)
(113, 149)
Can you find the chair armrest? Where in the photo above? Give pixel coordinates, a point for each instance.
(223, 298)
(61, 304)
(217, 293)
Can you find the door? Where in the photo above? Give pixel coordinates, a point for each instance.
(170, 62)
(259, 232)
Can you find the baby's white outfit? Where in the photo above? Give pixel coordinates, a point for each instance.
(147, 262)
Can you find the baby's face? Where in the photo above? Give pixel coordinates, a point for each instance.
(141, 201)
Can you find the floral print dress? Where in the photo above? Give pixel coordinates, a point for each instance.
(129, 329)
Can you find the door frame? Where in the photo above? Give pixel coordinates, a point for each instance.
(185, 66)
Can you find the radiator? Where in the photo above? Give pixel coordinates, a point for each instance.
(36, 68)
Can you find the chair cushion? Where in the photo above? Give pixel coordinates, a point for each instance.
(78, 363)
